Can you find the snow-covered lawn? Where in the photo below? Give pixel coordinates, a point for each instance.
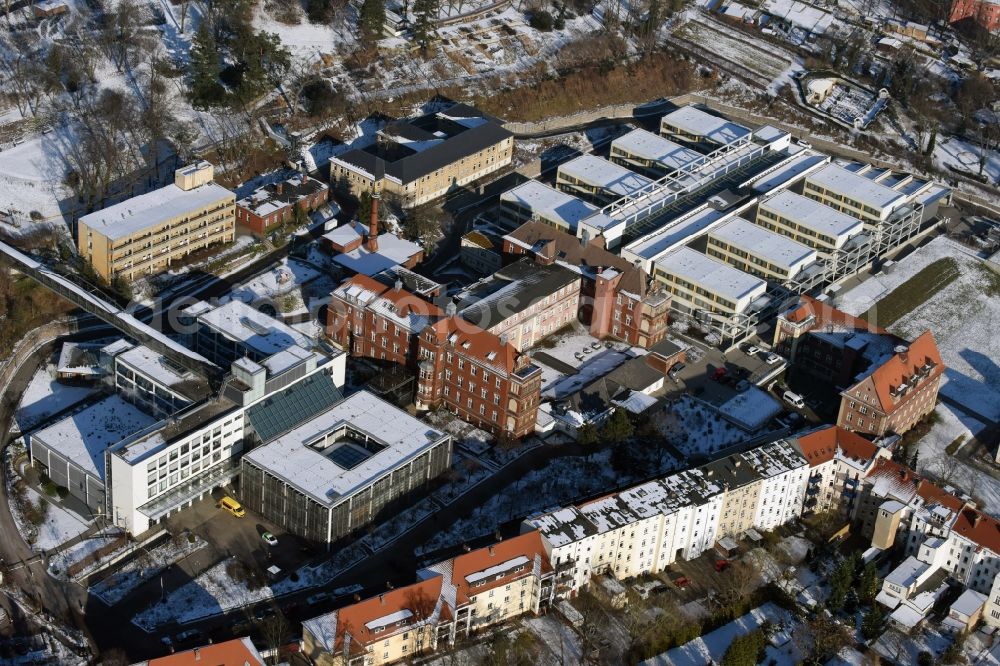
(900, 648)
(45, 396)
(563, 643)
(963, 317)
(708, 649)
(120, 584)
(58, 527)
(695, 428)
(59, 563)
(31, 179)
(966, 157)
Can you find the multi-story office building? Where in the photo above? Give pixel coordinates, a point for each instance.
(233, 330)
(371, 320)
(809, 222)
(598, 180)
(151, 381)
(524, 301)
(692, 125)
(146, 234)
(892, 395)
(533, 201)
(854, 194)
(453, 599)
(338, 470)
(421, 159)
(650, 154)
(478, 375)
(275, 204)
(766, 254)
(616, 296)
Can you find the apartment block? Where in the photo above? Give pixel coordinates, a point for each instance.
(330, 474)
(147, 234)
(524, 302)
(852, 193)
(690, 124)
(766, 254)
(479, 376)
(597, 180)
(838, 461)
(985, 13)
(372, 320)
(421, 159)
(275, 204)
(618, 299)
(892, 395)
(453, 599)
(651, 155)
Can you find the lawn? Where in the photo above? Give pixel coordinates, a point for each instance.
(909, 295)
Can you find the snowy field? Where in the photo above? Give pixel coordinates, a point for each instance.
(562, 643)
(45, 396)
(962, 316)
(123, 582)
(694, 428)
(59, 526)
(59, 563)
(965, 157)
(708, 649)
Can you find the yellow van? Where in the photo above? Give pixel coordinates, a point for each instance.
(233, 507)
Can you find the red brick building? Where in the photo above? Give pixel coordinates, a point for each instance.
(379, 322)
(616, 297)
(274, 204)
(986, 13)
(479, 376)
(895, 394)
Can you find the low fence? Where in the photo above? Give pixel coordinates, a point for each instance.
(95, 556)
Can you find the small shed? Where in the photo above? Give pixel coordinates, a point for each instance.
(49, 8)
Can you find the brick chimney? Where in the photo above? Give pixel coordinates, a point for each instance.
(372, 243)
(279, 188)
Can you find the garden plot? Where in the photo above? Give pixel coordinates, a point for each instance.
(45, 396)
(963, 316)
(56, 528)
(695, 428)
(899, 648)
(145, 566)
(765, 62)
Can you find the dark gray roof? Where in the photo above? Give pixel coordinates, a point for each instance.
(511, 290)
(293, 406)
(665, 348)
(635, 374)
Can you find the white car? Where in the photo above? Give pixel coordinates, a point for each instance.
(772, 358)
(752, 350)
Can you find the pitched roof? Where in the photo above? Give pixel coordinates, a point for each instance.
(820, 446)
(891, 479)
(379, 617)
(827, 315)
(921, 355)
(404, 303)
(237, 652)
(979, 528)
(495, 565)
(475, 343)
(557, 245)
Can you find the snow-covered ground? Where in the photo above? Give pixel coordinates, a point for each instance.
(962, 317)
(562, 642)
(45, 396)
(60, 562)
(900, 648)
(710, 648)
(965, 157)
(695, 428)
(58, 527)
(120, 584)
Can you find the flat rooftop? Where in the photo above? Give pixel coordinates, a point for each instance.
(370, 438)
(760, 242)
(166, 372)
(550, 203)
(153, 209)
(788, 172)
(857, 187)
(238, 321)
(677, 231)
(599, 172)
(696, 122)
(710, 274)
(655, 148)
(83, 437)
(511, 290)
(812, 214)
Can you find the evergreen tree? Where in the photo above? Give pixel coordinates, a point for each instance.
(868, 583)
(205, 87)
(747, 650)
(371, 21)
(425, 12)
(587, 435)
(618, 428)
(871, 624)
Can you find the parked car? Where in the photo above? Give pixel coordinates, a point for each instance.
(682, 581)
(742, 385)
(719, 373)
(721, 565)
(675, 369)
(751, 350)
(269, 539)
(772, 358)
(317, 598)
(794, 399)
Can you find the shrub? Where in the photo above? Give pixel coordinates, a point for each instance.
(746, 650)
(925, 658)
(50, 488)
(541, 20)
(62, 491)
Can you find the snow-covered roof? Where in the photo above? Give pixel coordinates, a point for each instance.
(710, 274)
(303, 457)
(678, 231)
(84, 436)
(549, 203)
(655, 148)
(392, 251)
(696, 122)
(802, 163)
(908, 573)
(775, 248)
(812, 214)
(153, 209)
(238, 321)
(751, 409)
(969, 603)
(853, 186)
(155, 366)
(285, 359)
(599, 172)
(346, 233)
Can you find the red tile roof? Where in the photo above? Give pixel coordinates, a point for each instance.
(362, 618)
(827, 315)
(904, 365)
(237, 652)
(820, 446)
(528, 545)
(979, 528)
(906, 484)
(404, 301)
(474, 342)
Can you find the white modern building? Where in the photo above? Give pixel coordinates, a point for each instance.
(650, 154)
(693, 125)
(537, 201)
(758, 251)
(808, 221)
(598, 179)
